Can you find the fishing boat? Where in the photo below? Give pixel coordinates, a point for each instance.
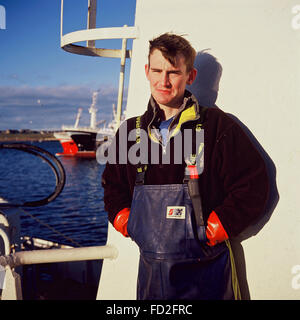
(83, 142)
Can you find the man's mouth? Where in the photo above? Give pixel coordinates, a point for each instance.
(163, 91)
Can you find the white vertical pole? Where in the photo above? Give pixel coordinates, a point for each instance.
(91, 20)
(12, 289)
(61, 20)
(121, 80)
(6, 241)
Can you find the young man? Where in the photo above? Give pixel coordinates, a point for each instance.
(181, 212)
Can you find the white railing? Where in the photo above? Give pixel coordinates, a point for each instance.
(59, 255)
(68, 41)
(12, 285)
(6, 241)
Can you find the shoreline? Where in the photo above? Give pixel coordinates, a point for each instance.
(19, 137)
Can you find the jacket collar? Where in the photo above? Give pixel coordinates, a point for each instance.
(188, 99)
(189, 111)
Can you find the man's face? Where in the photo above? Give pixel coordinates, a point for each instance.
(168, 82)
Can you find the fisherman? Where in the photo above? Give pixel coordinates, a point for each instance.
(182, 214)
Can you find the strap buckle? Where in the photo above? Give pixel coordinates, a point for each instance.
(140, 175)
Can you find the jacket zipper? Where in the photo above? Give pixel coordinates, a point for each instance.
(164, 148)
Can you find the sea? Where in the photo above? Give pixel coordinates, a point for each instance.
(76, 217)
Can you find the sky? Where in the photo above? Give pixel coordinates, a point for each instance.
(41, 85)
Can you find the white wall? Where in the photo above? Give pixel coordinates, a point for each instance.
(257, 44)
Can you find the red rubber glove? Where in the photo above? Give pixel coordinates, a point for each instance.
(121, 220)
(215, 232)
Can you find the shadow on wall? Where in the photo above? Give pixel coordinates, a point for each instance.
(206, 85)
(257, 225)
(205, 88)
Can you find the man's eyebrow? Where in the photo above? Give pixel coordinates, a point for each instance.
(175, 71)
(155, 69)
(169, 71)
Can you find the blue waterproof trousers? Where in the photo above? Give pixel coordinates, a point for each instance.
(174, 262)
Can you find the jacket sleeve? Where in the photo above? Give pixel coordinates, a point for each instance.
(245, 181)
(117, 194)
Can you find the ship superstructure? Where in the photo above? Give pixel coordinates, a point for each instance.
(82, 142)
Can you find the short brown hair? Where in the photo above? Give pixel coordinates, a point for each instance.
(170, 45)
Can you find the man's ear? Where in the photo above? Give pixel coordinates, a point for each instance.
(192, 76)
(147, 70)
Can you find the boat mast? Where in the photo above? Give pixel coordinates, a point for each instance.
(93, 111)
(78, 118)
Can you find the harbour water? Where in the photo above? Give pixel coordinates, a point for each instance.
(77, 214)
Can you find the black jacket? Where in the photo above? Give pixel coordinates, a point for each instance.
(234, 182)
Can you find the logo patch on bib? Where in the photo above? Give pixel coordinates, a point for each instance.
(175, 212)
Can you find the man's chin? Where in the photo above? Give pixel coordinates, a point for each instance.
(167, 103)
(160, 99)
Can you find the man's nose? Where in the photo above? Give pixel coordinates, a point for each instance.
(165, 81)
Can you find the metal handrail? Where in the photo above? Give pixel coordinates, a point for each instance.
(5, 241)
(59, 255)
(68, 40)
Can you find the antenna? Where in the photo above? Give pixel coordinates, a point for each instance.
(78, 117)
(93, 110)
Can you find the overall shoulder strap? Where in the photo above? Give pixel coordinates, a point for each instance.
(193, 163)
(197, 154)
(141, 169)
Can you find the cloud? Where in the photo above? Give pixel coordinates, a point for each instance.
(15, 77)
(45, 107)
(66, 95)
